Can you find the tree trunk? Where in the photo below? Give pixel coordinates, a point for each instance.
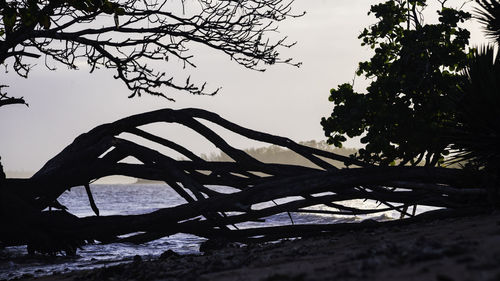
(207, 212)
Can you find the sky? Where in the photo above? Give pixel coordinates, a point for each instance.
(283, 100)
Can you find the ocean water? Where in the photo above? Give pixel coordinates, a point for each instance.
(135, 199)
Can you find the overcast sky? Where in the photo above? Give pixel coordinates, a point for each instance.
(283, 100)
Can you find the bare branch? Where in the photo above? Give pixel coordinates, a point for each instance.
(145, 31)
(6, 100)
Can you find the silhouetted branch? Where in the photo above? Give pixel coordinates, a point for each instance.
(6, 100)
(134, 37)
(207, 211)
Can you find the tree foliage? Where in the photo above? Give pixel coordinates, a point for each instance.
(130, 35)
(408, 106)
(478, 128)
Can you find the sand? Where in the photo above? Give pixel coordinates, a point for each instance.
(466, 248)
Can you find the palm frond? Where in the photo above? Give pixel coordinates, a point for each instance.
(477, 135)
(489, 15)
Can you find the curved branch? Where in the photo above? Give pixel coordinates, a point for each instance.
(100, 152)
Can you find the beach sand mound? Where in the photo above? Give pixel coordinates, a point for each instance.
(466, 248)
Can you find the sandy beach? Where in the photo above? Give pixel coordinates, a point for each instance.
(464, 248)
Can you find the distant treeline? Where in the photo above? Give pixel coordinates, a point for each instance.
(280, 155)
(19, 174)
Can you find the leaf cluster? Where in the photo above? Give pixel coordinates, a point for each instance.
(408, 107)
(487, 14)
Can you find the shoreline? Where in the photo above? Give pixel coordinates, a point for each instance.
(460, 248)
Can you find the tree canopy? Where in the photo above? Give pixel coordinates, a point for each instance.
(129, 35)
(409, 104)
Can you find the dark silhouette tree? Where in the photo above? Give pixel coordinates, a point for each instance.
(415, 70)
(478, 129)
(130, 35)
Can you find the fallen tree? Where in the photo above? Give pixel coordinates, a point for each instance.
(206, 211)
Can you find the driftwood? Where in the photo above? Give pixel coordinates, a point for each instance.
(207, 212)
